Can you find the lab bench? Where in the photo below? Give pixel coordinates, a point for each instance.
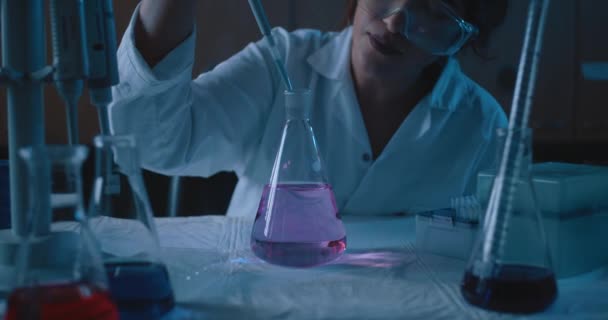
(381, 276)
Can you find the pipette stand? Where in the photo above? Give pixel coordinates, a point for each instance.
(23, 67)
(24, 72)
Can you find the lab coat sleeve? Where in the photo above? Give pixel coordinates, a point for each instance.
(192, 127)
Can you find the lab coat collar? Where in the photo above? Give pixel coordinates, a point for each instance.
(324, 60)
(450, 89)
(448, 93)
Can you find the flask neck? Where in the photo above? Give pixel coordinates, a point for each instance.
(298, 104)
(119, 150)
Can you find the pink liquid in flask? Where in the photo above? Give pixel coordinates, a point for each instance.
(302, 227)
(74, 301)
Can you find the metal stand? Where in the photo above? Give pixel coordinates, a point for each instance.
(24, 56)
(24, 72)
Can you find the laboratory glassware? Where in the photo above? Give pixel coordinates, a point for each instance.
(432, 25)
(510, 269)
(297, 223)
(122, 220)
(59, 268)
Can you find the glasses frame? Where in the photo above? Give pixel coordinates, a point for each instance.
(469, 30)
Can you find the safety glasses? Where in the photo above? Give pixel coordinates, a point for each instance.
(432, 25)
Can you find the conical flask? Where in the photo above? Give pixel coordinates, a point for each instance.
(60, 273)
(297, 223)
(510, 268)
(122, 220)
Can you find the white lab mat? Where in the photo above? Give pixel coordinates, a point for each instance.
(382, 276)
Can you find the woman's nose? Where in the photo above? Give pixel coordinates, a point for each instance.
(396, 21)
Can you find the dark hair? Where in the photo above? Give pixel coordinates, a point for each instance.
(351, 6)
(487, 15)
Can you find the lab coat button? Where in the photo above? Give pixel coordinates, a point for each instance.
(367, 157)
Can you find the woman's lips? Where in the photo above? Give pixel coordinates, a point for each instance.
(383, 47)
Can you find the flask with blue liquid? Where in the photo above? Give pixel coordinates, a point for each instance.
(122, 220)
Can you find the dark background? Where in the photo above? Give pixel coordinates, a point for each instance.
(570, 117)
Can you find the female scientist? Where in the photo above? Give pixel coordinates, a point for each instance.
(400, 127)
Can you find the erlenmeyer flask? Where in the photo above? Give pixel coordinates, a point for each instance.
(121, 218)
(59, 269)
(297, 223)
(510, 268)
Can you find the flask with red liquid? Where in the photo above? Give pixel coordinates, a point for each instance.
(59, 270)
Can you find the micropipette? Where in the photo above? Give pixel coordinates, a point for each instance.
(101, 41)
(69, 57)
(264, 25)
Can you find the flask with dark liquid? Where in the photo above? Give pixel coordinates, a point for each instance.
(510, 269)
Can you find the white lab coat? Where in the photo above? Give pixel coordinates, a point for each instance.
(230, 119)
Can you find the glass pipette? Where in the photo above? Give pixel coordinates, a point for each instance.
(264, 25)
(500, 207)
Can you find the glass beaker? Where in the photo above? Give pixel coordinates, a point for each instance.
(59, 269)
(297, 223)
(122, 220)
(510, 268)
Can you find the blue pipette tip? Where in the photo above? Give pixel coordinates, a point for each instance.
(264, 26)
